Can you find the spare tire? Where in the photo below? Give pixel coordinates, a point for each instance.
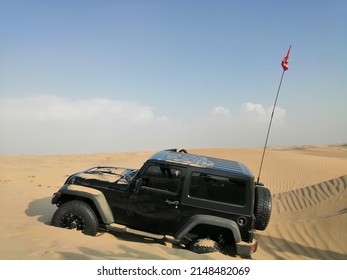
(262, 207)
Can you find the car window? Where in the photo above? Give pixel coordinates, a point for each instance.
(217, 188)
(162, 178)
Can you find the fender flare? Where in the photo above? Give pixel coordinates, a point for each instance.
(96, 196)
(209, 220)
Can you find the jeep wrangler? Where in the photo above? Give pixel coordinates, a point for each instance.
(202, 203)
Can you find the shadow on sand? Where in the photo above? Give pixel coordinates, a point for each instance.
(42, 208)
(278, 247)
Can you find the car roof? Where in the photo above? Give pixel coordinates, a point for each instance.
(172, 156)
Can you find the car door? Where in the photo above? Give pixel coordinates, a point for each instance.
(154, 206)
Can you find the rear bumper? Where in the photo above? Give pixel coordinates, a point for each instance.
(245, 249)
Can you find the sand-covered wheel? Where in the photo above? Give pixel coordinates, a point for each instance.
(204, 246)
(77, 215)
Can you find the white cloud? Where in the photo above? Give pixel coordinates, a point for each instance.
(51, 124)
(220, 111)
(257, 112)
(53, 108)
(252, 108)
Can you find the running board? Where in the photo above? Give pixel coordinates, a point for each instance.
(122, 228)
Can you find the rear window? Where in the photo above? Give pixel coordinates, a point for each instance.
(217, 188)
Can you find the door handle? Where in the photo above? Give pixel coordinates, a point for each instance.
(171, 202)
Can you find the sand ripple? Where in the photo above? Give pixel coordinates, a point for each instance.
(308, 223)
(302, 198)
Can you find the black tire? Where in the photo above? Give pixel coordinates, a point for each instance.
(227, 245)
(262, 207)
(77, 215)
(204, 246)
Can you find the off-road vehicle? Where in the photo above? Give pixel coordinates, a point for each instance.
(199, 202)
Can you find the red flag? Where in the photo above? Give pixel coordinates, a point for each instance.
(284, 62)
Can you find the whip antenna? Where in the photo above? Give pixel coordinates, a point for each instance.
(285, 67)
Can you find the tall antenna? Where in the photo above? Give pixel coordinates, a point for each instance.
(285, 67)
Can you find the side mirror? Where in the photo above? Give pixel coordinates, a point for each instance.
(138, 184)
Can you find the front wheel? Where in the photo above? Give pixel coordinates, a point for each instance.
(78, 215)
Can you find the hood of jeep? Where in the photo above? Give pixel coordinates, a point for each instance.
(102, 176)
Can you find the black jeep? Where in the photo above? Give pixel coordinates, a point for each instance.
(200, 202)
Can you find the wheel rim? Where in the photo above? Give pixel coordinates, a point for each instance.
(71, 221)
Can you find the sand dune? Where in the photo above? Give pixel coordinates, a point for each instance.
(308, 223)
(309, 218)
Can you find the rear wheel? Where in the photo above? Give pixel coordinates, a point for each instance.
(227, 244)
(77, 215)
(262, 207)
(204, 246)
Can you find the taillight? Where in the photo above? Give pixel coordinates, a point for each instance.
(253, 248)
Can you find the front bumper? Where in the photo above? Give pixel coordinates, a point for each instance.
(245, 249)
(55, 198)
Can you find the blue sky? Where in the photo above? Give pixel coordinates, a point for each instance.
(109, 76)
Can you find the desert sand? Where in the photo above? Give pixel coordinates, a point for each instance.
(309, 216)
